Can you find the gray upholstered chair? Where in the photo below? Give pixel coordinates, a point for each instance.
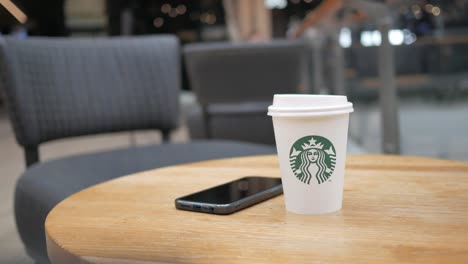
(59, 88)
(235, 83)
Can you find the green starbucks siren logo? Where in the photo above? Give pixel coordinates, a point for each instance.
(312, 156)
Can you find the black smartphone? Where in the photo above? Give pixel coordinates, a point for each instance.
(232, 196)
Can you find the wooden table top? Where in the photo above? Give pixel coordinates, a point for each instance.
(395, 209)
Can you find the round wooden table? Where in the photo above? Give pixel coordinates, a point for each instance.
(395, 209)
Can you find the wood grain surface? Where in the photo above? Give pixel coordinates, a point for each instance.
(395, 209)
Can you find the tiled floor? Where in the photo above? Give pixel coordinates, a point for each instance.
(428, 129)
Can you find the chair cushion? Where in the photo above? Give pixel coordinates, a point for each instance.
(45, 184)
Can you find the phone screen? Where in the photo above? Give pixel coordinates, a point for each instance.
(233, 191)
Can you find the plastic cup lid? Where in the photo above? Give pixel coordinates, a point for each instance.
(309, 105)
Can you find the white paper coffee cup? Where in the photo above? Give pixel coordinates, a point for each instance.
(311, 133)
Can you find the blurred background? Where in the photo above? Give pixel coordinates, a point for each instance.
(429, 38)
(404, 65)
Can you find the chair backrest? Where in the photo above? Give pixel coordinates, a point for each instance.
(230, 73)
(57, 87)
(235, 83)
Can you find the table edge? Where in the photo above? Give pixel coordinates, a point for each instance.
(58, 254)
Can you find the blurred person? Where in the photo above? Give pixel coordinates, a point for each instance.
(318, 25)
(321, 28)
(323, 15)
(247, 20)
